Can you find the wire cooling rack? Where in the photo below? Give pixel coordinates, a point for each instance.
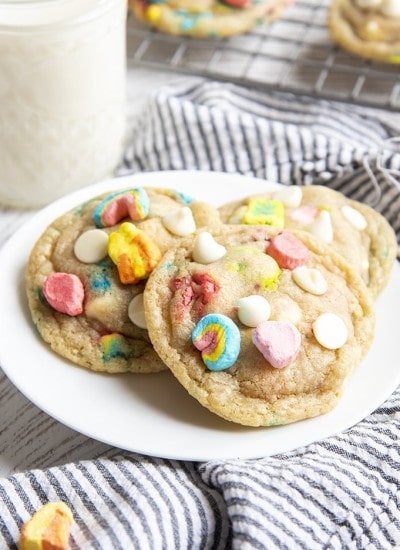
(294, 54)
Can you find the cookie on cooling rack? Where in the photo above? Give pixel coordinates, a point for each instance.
(207, 18)
(86, 275)
(354, 230)
(367, 28)
(262, 327)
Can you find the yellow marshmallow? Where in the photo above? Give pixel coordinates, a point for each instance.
(134, 253)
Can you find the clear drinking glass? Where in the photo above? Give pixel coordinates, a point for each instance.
(62, 96)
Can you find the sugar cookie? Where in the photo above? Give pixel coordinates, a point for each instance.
(276, 372)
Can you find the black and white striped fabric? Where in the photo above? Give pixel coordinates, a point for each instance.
(343, 492)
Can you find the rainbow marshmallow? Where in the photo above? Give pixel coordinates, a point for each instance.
(218, 339)
(134, 203)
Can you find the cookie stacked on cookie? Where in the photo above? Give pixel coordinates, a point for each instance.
(261, 309)
(265, 331)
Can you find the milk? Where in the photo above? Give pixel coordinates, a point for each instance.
(62, 96)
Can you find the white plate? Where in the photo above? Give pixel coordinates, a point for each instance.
(152, 414)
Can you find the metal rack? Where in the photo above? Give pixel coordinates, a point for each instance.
(294, 54)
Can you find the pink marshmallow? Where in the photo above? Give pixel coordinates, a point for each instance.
(65, 293)
(303, 214)
(278, 341)
(238, 3)
(288, 251)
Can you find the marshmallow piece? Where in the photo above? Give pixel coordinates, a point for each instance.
(253, 309)
(304, 214)
(134, 203)
(218, 339)
(136, 311)
(279, 342)
(321, 227)
(265, 211)
(206, 249)
(290, 197)
(310, 279)
(288, 251)
(238, 3)
(180, 222)
(354, 217)
(330, 331)
(65, 293)
(49, 527)
(91, 246)
(391, 8)
(133, 252)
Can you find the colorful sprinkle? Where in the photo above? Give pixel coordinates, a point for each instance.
(100, 281)
(218, 339)
(115, 345)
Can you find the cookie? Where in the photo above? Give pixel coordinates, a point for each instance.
(354, 230)
(367, 28)
(265, 329)
(87, 272)
(207, 18)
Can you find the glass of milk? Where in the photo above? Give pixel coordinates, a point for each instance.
(62, 96)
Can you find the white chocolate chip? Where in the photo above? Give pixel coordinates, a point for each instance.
(321, 227)
(354, 217)
(290, 197)
(252, 310)
(330, 331)
(206, 249)
(136, 311)
(391, 8)
(310, 279)
(91, 246)
(180, 222)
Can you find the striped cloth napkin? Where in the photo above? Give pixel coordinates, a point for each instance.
(342, 492)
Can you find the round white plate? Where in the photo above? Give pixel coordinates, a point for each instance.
(153, 414)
